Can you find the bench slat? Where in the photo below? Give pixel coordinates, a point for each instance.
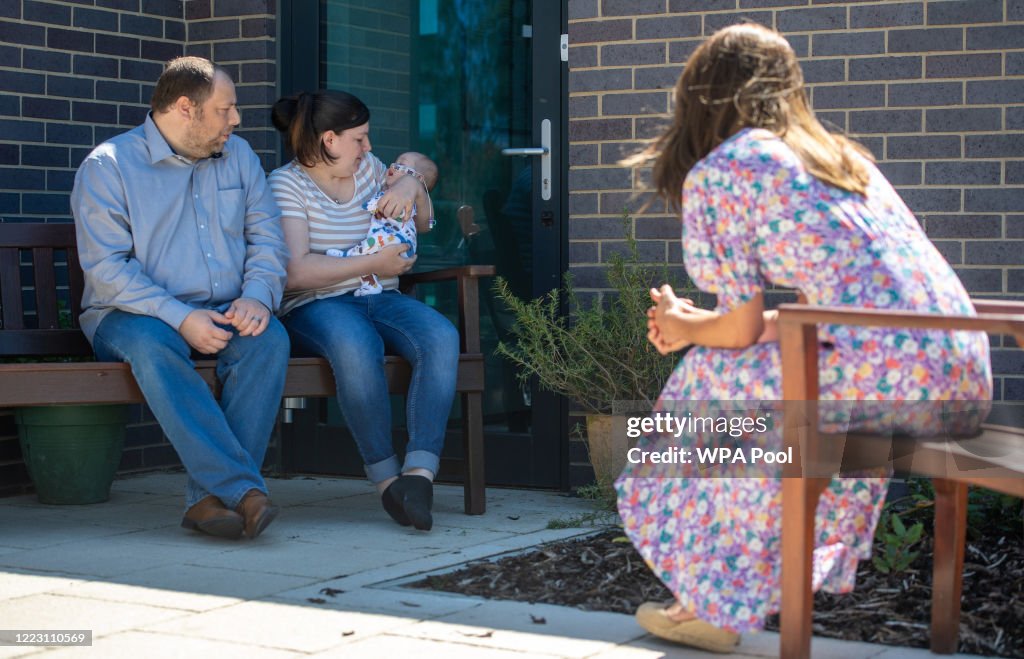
(76, 282)
(112, 382)
(30, 343)
(10, 287)
(46, 288)
(36, 234)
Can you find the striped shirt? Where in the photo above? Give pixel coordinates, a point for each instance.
(331, 225)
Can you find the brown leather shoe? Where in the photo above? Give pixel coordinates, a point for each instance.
(255, 507)
(212, 517)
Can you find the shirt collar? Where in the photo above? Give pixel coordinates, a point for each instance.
(158, 147)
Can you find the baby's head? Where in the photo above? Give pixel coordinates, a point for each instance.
(418, 163)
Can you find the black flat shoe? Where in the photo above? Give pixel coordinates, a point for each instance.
(415, 496)
(393, 505)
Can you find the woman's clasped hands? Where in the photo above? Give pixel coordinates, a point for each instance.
(667, 320)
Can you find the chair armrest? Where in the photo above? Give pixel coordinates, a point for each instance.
(798, 333)
(467, 281)
(998, 306)
(1004, 318)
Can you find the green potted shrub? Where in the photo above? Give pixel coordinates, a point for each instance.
(597, 355)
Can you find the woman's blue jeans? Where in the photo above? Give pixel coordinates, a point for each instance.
(221, 443)
(353, 334)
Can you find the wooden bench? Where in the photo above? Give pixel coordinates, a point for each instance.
(993, 459)
(56, 333)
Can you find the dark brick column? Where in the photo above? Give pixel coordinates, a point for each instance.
(241, 36)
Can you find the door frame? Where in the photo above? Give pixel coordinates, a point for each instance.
(299, 65)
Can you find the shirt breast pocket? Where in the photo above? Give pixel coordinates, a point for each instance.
(231, 211)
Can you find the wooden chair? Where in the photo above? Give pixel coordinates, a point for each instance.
(56, 334)
(993, 459)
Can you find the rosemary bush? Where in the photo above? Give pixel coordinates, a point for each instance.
(599, 353)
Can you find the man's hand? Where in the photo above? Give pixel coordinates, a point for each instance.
(200, 330)
(389, 262)
(249, 316)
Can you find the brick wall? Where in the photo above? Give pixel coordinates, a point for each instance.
(73, 74)
(935, 89)
(241, 36)
(366, 53)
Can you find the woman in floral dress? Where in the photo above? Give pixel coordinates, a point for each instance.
(770, 197)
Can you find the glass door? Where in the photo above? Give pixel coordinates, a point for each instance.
(478, 87)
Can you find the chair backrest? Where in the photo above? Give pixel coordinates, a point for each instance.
(41, 287)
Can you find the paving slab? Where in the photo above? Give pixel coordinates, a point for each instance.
(416, 605)
(386, 646)
(191, 588)
(530, 628)
(153, 645)
(55, 612)
(281, 626)
(19, 583)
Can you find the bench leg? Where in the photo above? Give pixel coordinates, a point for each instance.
(948, 567)
(473, 452)
(799, 502)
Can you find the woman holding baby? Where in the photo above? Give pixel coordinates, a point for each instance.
(323, 194)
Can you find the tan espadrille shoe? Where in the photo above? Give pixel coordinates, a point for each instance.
(695, 633)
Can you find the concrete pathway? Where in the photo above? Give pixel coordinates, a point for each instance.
(325, 580)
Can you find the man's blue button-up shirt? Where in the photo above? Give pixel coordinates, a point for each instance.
(162, 235)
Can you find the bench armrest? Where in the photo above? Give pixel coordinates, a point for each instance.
(798, 333)
(993, 316)
(467, 280)
(446, 274)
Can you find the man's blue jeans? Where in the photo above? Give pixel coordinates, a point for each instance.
(221, 444)
(352, 333)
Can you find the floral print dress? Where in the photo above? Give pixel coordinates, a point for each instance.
(753, 216)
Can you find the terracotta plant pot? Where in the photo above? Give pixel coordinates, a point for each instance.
(607, 444)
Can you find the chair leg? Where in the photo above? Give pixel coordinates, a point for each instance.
(799, 502)
(947, 571)
(473, 452)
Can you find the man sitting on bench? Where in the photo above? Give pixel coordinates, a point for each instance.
(180, 241)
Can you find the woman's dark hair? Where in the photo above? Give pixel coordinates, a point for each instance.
(303, 118)
(191, 77)
(747, 76)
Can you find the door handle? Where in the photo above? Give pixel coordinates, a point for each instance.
(526, 151)
(544, 151)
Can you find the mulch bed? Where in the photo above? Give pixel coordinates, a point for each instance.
(601, 572)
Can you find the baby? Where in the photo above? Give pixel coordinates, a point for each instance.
(391, 231)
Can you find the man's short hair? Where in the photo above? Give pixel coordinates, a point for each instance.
(191, 77)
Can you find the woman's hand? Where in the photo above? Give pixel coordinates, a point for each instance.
(391, 262)
(399, 198)
(770, 333)
(662, 333)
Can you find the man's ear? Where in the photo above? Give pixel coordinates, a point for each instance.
(183, 107)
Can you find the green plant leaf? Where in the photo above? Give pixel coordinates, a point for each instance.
(594, 352)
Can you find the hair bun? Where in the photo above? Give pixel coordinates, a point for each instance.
(282, 113)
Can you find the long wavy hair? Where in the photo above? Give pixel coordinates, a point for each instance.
(747, 76)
